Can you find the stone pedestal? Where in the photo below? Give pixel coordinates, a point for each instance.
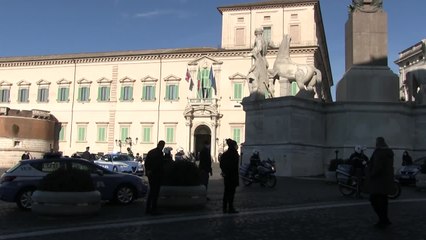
(368, 84)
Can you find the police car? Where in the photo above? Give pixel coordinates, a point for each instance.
(120, 162)
(19, 182)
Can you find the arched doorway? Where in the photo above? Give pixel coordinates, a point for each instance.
(201, 134)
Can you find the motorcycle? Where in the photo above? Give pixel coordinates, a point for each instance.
(265, 174)
(350, 184)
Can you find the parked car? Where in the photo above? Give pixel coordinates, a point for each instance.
(121, 162)
(407, 174)
(19, 182)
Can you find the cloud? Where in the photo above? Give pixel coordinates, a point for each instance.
(155, 13)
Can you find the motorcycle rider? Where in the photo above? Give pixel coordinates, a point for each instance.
(358, 160)
(254, 162)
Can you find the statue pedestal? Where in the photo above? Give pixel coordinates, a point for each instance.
(284, 87)
(368, 84)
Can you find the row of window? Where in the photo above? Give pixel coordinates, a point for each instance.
(104, 91)
(146, 135)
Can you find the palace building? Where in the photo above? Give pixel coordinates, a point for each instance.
(114, 100)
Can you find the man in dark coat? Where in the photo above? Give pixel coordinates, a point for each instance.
(154, 171)
(86, 154)
(380, 180)
(229, 166)
(205, 164)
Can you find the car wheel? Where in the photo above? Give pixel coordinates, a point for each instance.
(24, 199)
(124, 194)
(115, 169)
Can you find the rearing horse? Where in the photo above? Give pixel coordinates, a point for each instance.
(306, 76)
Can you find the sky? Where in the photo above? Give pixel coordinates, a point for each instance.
(44, 27)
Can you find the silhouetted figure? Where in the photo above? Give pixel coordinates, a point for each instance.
(86, 154)
(205, 164)
(406, 159)
(154, 170)
(26, 155)
(254, 162)
(130, 152)
(229, 166)
(381, 180)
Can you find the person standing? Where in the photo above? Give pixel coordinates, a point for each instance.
(86, 154)
(406, 159)
(380, 180)
(205, 165)
(154, 171)
(229, 166)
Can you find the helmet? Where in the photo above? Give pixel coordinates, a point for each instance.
(256, 151)
(358, 149)
(258, 31)
(167, 150)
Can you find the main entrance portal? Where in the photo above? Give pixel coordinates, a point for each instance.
(201, 134)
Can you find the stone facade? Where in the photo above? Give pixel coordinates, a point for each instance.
(20, 131)
(114, 100)
(411, 60)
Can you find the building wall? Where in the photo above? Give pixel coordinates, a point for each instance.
(222, 114)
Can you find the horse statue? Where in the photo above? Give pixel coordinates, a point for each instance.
(415, 86)
(307, 77)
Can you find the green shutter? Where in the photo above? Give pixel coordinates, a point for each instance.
(122, 93)
(58, 97)
(177, 92)
(147, 135)
(168, 92)
(67, 93)
(99, 93)
(144, 93)
(130, 93)
(108, 93)
(62, 134)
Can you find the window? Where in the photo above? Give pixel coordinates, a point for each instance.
(239, 37)
(103, 93)
(126, 93)
(238, 91)
(5, 95)
(294, 16)
(83, 93)
(236, 134)
(43, 94)
(294, 89)
(81, 133)
(267, 34)
(102, 133)
(63, 93)
(266, 18)
(62, 133)
(172, 92)
(240, 19)
(23, 94)
(124, 133)
(295, 33)
(146, 134)
(170, 134)
(148, 93)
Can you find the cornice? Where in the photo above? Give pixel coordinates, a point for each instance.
(220, 53)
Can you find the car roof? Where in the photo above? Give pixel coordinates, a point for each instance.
(53, 158)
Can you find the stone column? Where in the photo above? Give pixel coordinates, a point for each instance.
(188, 125)
(367, 77)
(284, 87)
(213, 138)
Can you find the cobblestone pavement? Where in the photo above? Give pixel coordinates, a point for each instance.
(297, 208)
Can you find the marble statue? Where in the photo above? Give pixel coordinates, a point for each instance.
(258, 74)
(366, 5)
(307, 77)
(415, 85)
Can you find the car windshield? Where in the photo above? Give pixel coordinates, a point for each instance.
(121, 158)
